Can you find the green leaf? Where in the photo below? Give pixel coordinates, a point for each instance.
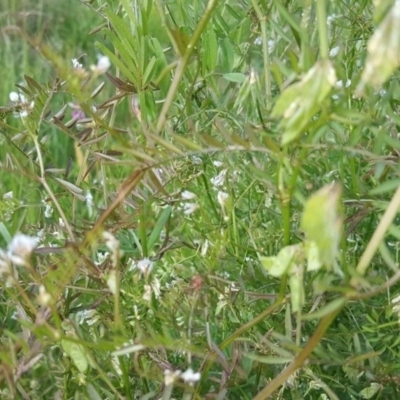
(162, 220)
(92, 392)
(328, 309)
(302, 100)
(371, 391)
(322, 223)
(210, 49)
(236, 77)
(296, 288)
(77, 354)
(279, 265)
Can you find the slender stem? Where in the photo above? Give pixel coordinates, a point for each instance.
(301, 357)
(379, 233)
(322, 29)
(182, 63)
(43, 181)
(267, 78)
(59, 209)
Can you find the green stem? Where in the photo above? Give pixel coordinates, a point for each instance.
(183, 62)
(322, 29)
(301, 357)
(267, 78)
(379, 233)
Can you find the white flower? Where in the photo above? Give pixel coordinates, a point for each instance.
(271, 45)
(170, 376)
(145, 266)
(8, 195)
(89, 199)
(190, 208)
(258, 41)
(111, 241)
(43, 298)
(204, 248)
(219, 180)
(48, 211)
(196, 160)
(334, 52)
(339, 84)
(76, 64)
(190, 376)
(222, 198)
(186, 195)
(156, 287)
(147, 293)
(21, 247)
(103, 64)
(330, 19)
(89, 316)
(218, 163)
(23, 105)
(112, 282)
(89, 202)
(114, 245)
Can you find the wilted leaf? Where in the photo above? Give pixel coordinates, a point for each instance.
(302, 100)
(371, 391)
(383, 50)
(322, 223)
(277, 266)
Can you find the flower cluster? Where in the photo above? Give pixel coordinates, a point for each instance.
(18, 253)
(21, 104)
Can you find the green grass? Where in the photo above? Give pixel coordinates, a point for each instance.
(194, 252)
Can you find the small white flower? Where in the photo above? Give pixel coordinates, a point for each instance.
(89, 316)
(111, 241)
(219, 180)
(43, 298)
(186, 195)
(190, 208)
(112, 282)
(334, 52)
(170, 376)
(24, 105)
(271, 45)
(258, 41)
(15, 97)
(222, 198)
(147, 293)
(89, 199)
(145, 266)
(330, 19)
(156, 288)
(204, 248)
(8, 195)
(48, 210)
(190, 376)
(76, 64)
(339, 84)
(103, 64)
(218, 163)
(115, 247)
(196, 160)
(21, 247)
(89, 202)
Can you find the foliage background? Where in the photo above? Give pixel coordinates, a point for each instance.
(212, 306)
